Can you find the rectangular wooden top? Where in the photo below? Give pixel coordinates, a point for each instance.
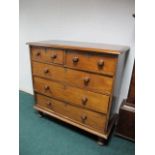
(83, 46)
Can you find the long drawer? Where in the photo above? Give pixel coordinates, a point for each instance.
(85, 117)
(93, 82)
(86, 99)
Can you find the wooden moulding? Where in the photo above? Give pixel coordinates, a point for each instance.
(82, 46)
(74, 123)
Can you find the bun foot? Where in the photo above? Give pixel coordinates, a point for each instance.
(40, 114)
(101, 141)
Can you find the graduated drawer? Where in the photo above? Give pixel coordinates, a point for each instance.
(90, 81)
(75, 96)
(99, 63)
(83, 116)
(47, 55)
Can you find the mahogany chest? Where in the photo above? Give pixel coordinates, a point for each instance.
(78, 83)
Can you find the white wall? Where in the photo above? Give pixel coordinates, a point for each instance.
(103, 21)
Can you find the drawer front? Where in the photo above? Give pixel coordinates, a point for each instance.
(76, 96)
(48, 71)
(85, 117)
(92, 82)
(54, 55)
(47, 55)
(99, 63)
(97, 83)
(38, 53)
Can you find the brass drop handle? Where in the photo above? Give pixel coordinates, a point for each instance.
(46, 70)
(75, 59)
(54, 56)
(83, 118)
(86, 80)
(38, 54)
(100, 63)
(84, 100)
(46, 87)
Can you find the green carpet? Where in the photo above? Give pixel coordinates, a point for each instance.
(46, 136)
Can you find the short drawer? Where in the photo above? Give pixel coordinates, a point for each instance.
(38, 53)
(83, 116)
(55, 55)
(89, 81)
(47, 55)
(76, 96)
(48, 71)
(99, 63)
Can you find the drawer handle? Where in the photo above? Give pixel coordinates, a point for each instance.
(100, 63)
(84, 100)
(83, 118)
(46, 87)
(46, 70)
(54, 56)
(38, 54)
(86, 80)
(75, 59)
(49, 103)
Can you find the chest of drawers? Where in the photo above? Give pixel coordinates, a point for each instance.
(78, 83)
